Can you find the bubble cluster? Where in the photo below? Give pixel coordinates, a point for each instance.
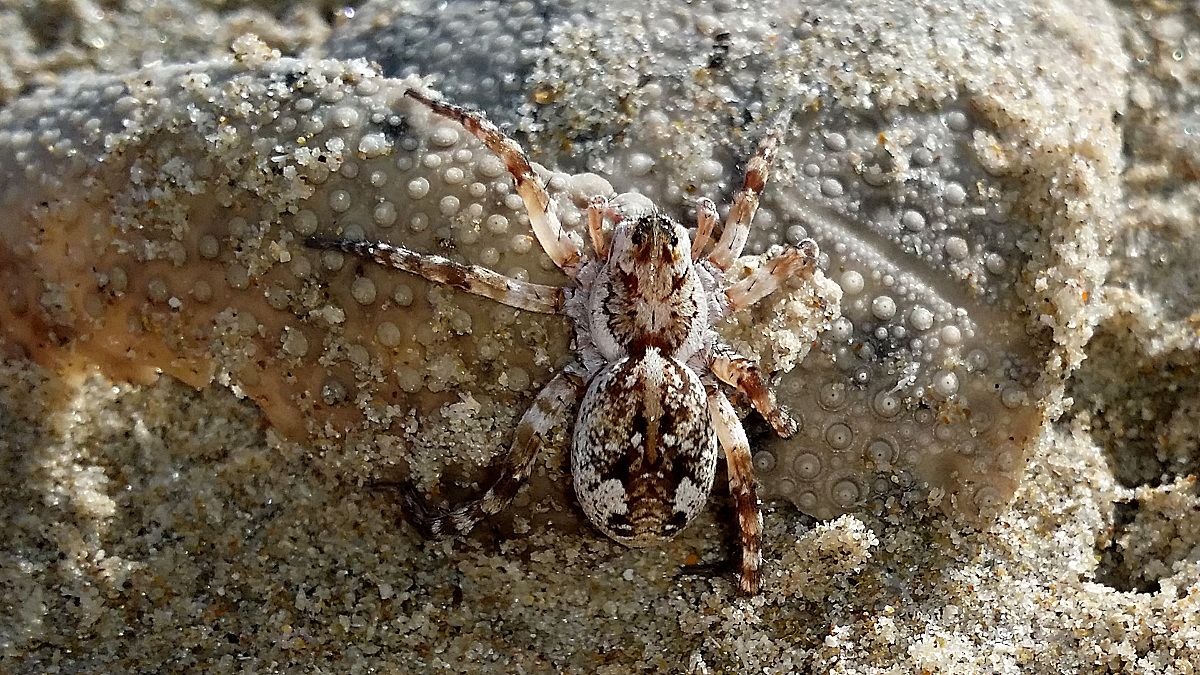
(326, 345)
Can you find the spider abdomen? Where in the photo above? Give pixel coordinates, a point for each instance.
(644, 451)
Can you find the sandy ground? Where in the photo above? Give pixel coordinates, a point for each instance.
(164, 527)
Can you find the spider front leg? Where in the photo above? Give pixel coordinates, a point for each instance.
(738, 462)
(740, 373)
(556, 399)
(546, 227)
(737, 223)
(470, 278)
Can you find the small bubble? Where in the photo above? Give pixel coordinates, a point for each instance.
(496, 224)
(839, 436)
(807, 465)
(384, 214)
(411, 379)
(339, 201)
(954, 194)
(807, 501)
(956, 248)
(388, 334)
(764, 461)
(237, 277)
(202, 291)
(945, 383)
(522, 243)
(913, 220)
(957, 120)
(444, 136)
(418, 188)
(886, 404)
(304, 222)
(363, 290)
(403, 295)
(209, 247)
(880, 452)
(883, 307)
(832, 395)
(449, 205)
(491, 166)
(640, 164)
(157, 290)
(344, 117)
(1012, 396)
(845, 493)
(920, 318)
(832, 187)
(988, 499)
(851, 282)
(842, 328)
(332, 260)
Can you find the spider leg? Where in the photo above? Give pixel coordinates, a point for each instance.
(737, 223)
(741, 485)
(596, 210)
(740, 373)
(549, 231)
(556, 399)
(470, 278)
(706, 219)
(799, 261)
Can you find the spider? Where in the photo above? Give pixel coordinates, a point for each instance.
(648, 365)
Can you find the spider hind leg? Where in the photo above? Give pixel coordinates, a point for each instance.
(741, 486)
(548, 410)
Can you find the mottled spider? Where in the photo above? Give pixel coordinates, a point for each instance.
(645, 380)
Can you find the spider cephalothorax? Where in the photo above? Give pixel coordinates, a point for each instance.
(648, 367)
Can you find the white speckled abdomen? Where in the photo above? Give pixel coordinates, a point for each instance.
(644, 452)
